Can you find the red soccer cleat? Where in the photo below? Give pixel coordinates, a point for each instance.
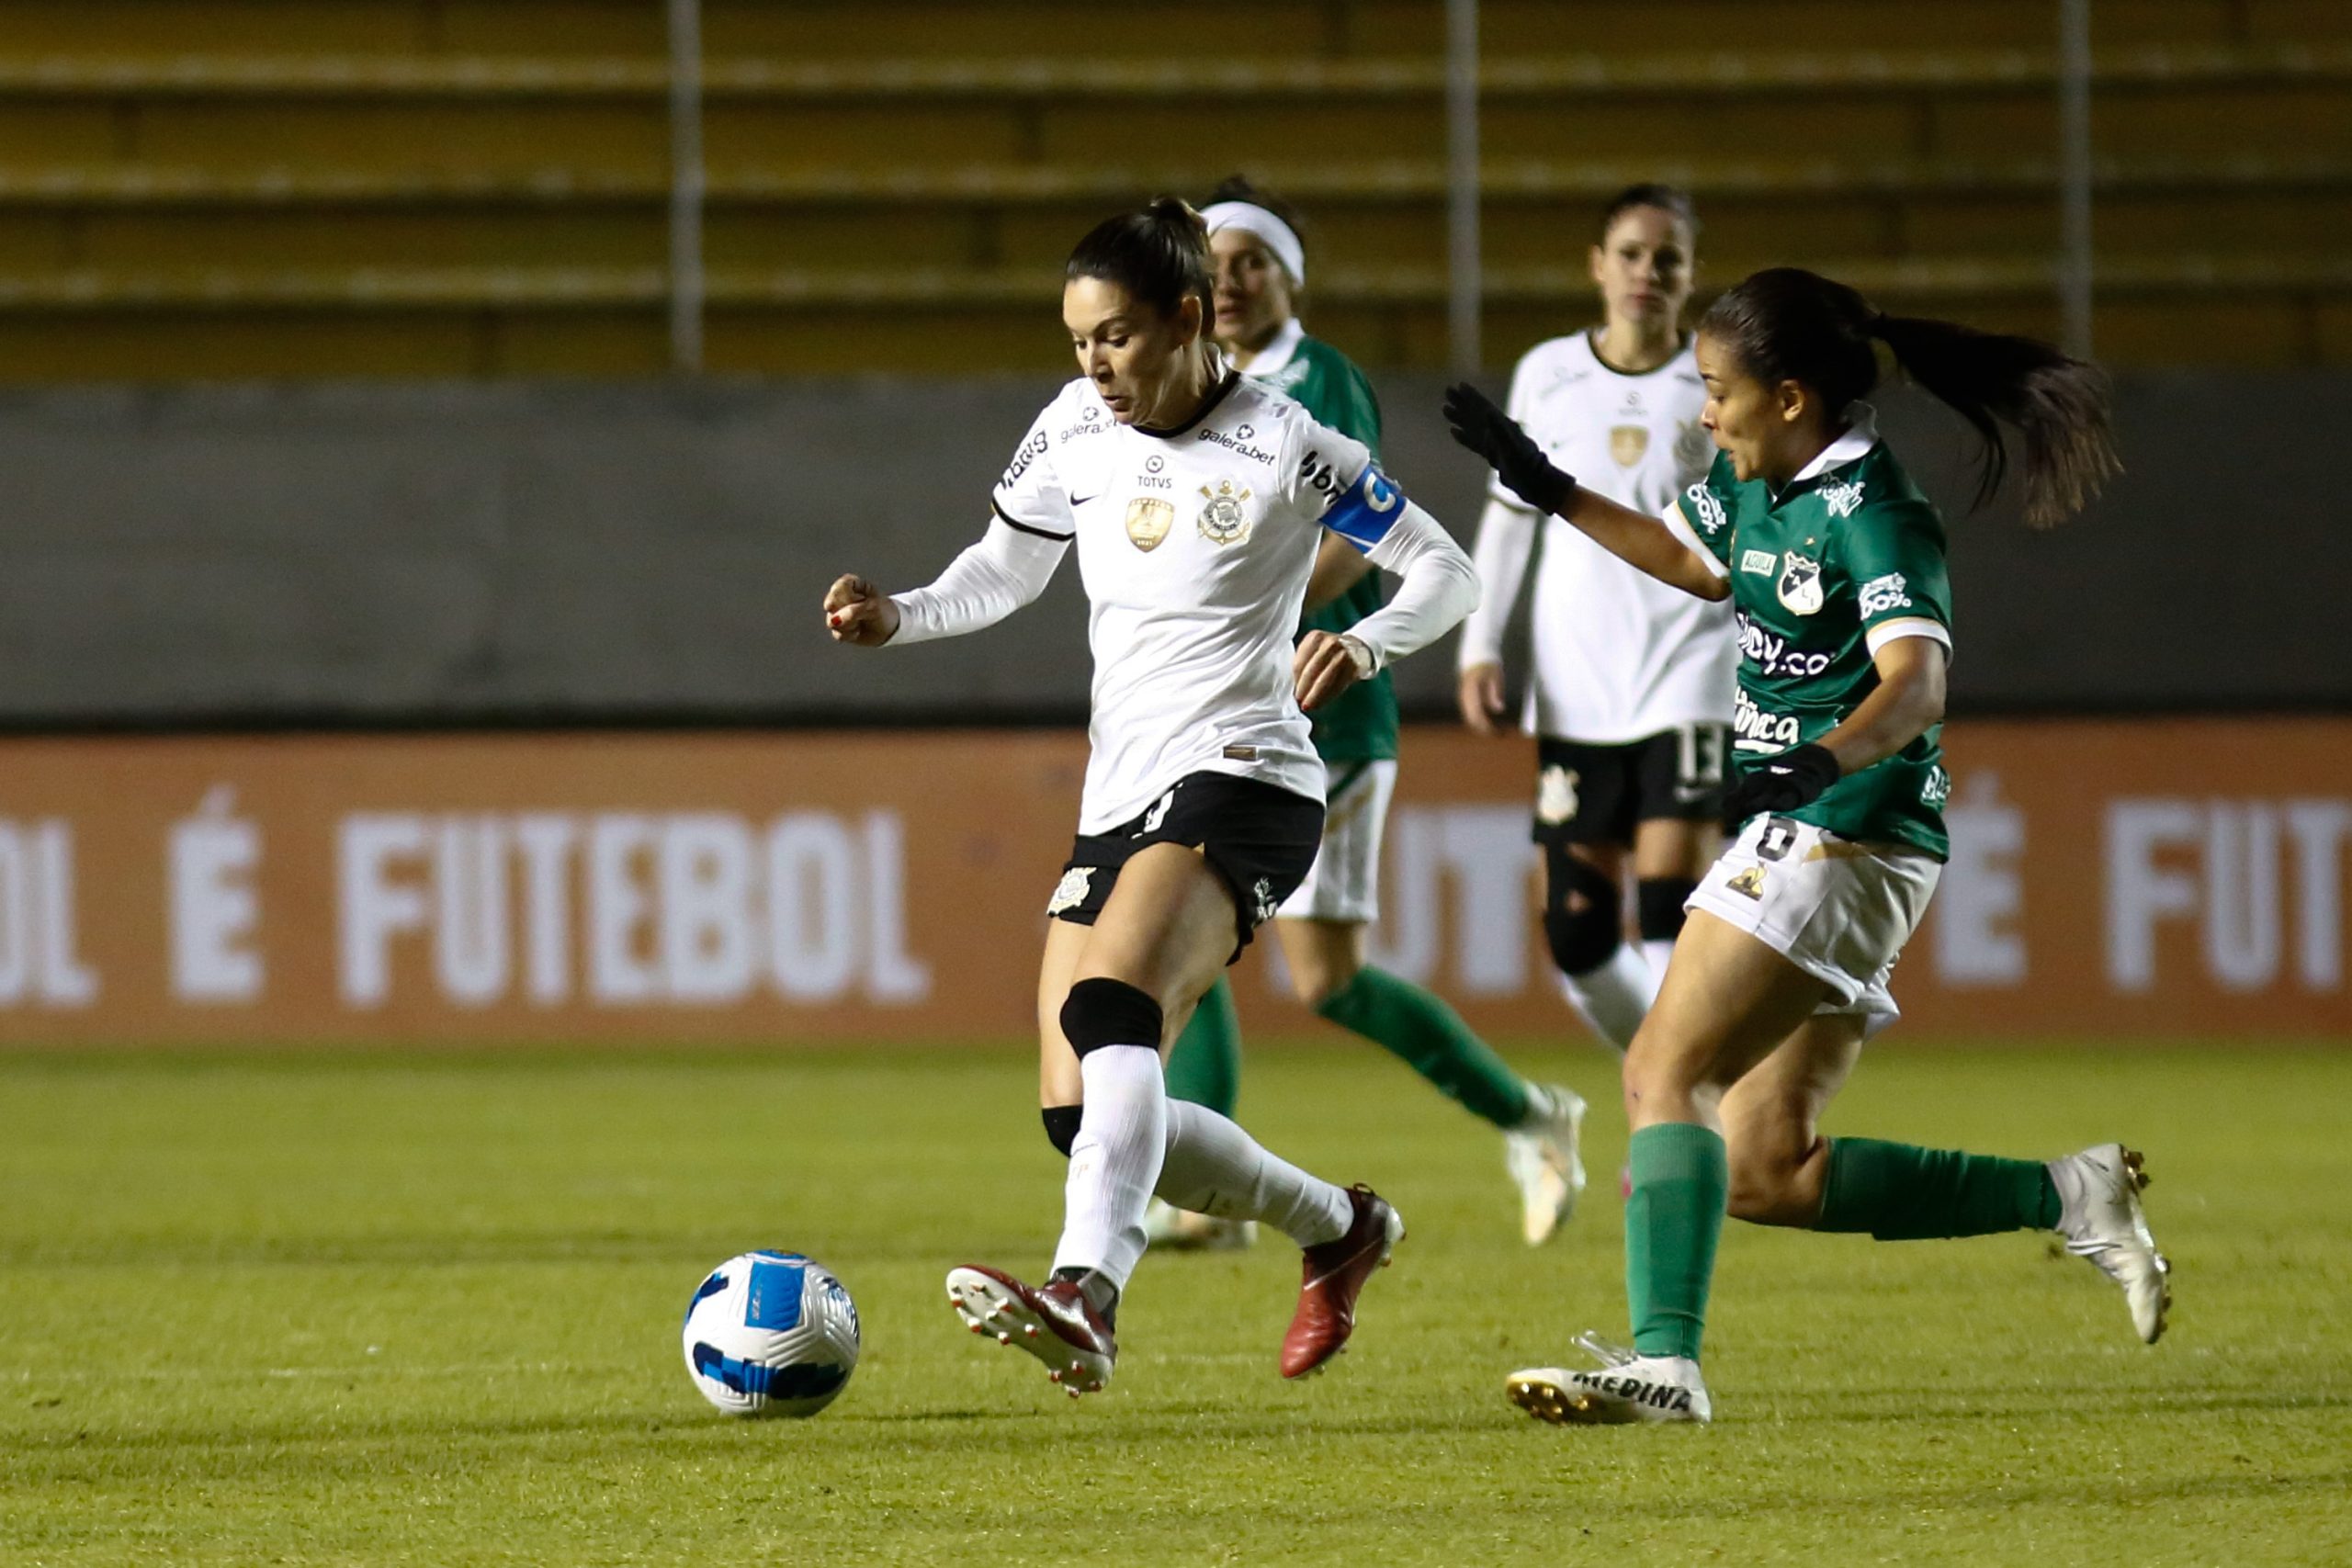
(1331, 1276)
(1057, 1323)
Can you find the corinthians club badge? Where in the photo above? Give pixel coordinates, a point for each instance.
(1627, 443)
(1149, 520)
(1555, 796)
(1800, 585)
(1223, 521)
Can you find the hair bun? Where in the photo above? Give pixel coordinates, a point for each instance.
(1176, 210)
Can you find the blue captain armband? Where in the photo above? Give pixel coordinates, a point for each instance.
(1366, 510)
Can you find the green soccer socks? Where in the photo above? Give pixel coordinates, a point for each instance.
(1899, 1193)
(1673, 1220)
(1431, 1038)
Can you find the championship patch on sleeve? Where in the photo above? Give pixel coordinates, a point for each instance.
(1366, 510)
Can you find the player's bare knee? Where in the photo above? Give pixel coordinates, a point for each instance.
(1659, 1079)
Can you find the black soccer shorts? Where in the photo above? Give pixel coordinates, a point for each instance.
(1588, 793)
(1258, 839)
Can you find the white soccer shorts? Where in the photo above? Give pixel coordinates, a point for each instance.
(1837, 910)
(1344, 882)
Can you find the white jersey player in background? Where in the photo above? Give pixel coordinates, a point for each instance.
(1198, 500)
(1630, 699)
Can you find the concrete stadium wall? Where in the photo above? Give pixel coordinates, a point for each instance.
(549, 553)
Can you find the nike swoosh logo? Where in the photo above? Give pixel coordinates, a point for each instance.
(1343, 1265)
(1082, 499)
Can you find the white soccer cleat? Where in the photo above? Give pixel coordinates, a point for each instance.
(1625, 1388)
(1545, 1161)
(2100, 1216)
(1166, 1225)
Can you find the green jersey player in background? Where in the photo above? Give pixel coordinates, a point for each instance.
(1261, 266)
(1834, 564)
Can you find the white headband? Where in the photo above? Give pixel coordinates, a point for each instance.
(1276, 234)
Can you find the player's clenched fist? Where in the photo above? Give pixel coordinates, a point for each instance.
(1326, 665)
(858, 612)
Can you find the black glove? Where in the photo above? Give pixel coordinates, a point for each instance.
(1796, 777)
(1508, 450)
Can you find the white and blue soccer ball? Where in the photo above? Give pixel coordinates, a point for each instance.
(771, 1334)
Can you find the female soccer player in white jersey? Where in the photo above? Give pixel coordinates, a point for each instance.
(1631, 691)
(1197, 500)
(1261, 265)
(1835, 564)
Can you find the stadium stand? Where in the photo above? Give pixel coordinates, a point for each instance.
(464, 187)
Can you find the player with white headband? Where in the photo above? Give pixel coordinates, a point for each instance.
(1260, 272)
(1197, 499)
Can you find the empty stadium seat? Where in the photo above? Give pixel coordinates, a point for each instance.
(470, 187)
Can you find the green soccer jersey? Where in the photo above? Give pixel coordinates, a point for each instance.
(1847, 558)
(1360, 724)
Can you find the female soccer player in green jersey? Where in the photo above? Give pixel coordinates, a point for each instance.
(1260, 265)
(1834, 562)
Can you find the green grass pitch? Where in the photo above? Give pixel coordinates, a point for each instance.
(424, 1310)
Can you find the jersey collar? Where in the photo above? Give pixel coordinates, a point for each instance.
(1591, 336)
(1217, 394)
(1862, 435)
(1276, 358)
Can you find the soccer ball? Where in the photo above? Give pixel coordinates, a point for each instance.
(771, 1334)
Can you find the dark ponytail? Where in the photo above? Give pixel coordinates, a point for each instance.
(1787, 325)
(1159, 254)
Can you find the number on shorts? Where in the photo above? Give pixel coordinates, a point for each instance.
(1699, 756)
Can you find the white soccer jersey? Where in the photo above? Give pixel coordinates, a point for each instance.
(1195, 545)
(1618, 654)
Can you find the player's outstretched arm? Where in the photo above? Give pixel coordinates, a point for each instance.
(1437, 587)
(1640, 541)
(1007, 568)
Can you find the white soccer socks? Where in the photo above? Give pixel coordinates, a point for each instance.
(1212, 1167)
(1114, 1161)
(1614, 998)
